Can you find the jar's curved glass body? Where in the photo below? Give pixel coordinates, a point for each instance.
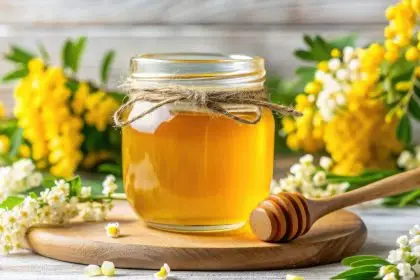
(198, 171)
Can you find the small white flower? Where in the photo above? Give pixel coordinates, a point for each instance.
(396, 256)
(415, 230)
(354, 64)
(320, 178)
(331, 103)
(325, 163)
(382, 271)
(85, 192)
(295, 169)
(404, 158)
(109, 185)
(17, 178)
(390, 276)
(35, 179)
(56, 198)
(93, 270)
(348, 53)
(108, 268)
(416, 251)
(307, 159)
(402, 241)
(415, 241)
(404, 268)
(163, 273)
(100, 212)
(23, 168)
(294, 277)
(343, 74)
(113, 230)
(319, 75)
(416, 268)
(276, 190)
(88, 214)
(334, 64)
(341, 99)
(62, 186)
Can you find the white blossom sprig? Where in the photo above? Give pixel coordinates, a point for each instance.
(409, 159)
(55, 205)
(402, 263)
(405, 260)
(336, 82)
(318, 181)
(310, 180)
(18, 177)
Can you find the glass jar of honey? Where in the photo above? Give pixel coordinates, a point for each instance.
(188, 169)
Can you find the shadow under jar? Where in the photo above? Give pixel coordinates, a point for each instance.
(188, 169)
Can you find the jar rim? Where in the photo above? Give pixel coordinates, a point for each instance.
(188, 57)
(197, 66)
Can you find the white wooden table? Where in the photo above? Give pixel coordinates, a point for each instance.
(384, 226)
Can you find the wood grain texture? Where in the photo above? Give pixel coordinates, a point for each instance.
(192, 11)
(335, 236)
(384, 226)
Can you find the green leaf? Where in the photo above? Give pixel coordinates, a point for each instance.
(77, 51)
(106, 66)
(114, 137)
(19, 55)
(414, 108)
(376, 262)
(355, 273)
(306, 71)
(10, 202)
(404, 130)
(305, 55)
(409, 198)
(110, 168)
(73, 85)
(321, 49)
(342, 42)
(67, 54)
(272, 83)
(17, 74)
(43, 51)
(365, 275)
(308, 40)
(17, 140)
(75, 186)
(417, 89)
(350, 260)
(8, 126)
(33, 195)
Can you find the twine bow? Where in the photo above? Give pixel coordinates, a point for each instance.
(211, 100)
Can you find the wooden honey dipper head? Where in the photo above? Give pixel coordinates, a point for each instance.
(286, 216)
(281, 217)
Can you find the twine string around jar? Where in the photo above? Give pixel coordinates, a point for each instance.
(211, 100)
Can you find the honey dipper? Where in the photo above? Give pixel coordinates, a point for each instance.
(286, 216)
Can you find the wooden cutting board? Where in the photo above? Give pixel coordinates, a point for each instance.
(332, 238)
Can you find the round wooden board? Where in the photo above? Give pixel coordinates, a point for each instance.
(332, 238)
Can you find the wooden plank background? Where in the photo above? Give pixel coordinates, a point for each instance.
(269, 28)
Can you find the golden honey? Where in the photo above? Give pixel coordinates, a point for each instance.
(198, 171)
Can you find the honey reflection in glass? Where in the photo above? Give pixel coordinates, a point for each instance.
(198, 171)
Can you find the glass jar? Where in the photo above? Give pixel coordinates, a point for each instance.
(191, 170)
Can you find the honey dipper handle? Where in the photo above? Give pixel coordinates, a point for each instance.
(392, 185)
